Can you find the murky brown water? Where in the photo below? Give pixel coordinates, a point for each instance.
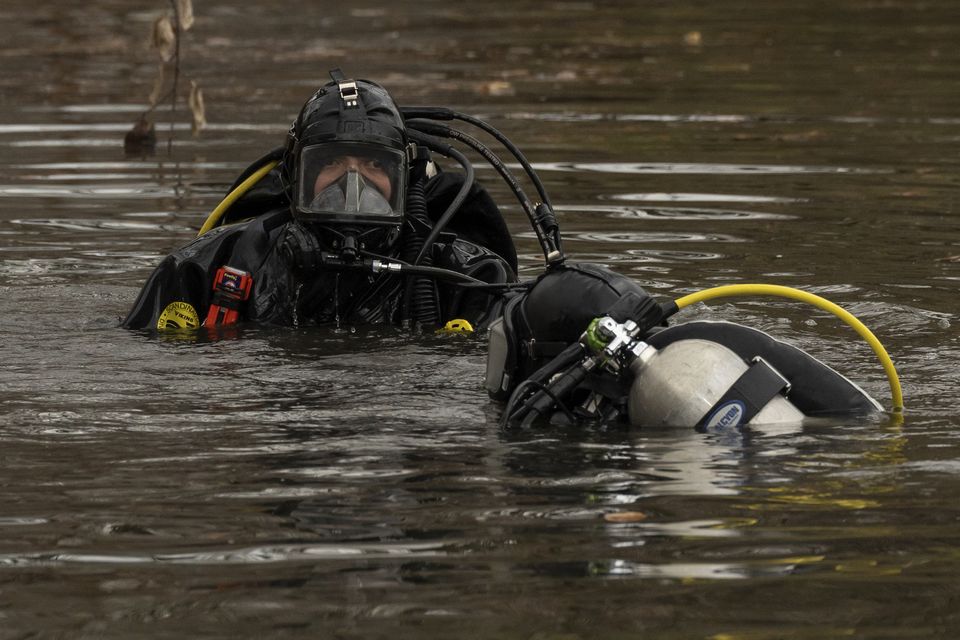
(299, 483)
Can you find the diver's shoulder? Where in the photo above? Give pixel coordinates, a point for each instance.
(262, 225)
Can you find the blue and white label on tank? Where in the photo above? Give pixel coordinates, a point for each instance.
(729, 414)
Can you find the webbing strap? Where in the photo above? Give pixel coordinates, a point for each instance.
(746, 397)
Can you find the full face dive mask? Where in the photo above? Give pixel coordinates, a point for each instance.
(350, 182)
(347, 157)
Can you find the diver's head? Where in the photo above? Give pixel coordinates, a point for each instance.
(346, 161)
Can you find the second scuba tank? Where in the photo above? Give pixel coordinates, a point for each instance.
(683, 385)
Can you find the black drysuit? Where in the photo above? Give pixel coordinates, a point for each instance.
(180, 290)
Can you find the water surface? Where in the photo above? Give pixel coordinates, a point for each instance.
(354, 483)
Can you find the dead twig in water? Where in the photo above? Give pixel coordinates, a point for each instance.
(166, 41)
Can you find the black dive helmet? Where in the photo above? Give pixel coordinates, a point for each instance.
(345, 162)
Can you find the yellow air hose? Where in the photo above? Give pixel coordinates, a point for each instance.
(733, 290)
(234, 195)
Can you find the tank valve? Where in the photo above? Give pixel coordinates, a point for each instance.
(615, 342)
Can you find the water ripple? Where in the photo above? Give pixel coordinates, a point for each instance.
(19, 522)
(250, 555)
(544, 116)
(694, 168)
(676, 213)
(85, 191)
(701, 570)
(698, 197)
(649, 236)
(627, 117)
(86, 127)
(124, 166)
(99, 225)
(656, 255)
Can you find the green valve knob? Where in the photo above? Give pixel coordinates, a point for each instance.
(595, 341)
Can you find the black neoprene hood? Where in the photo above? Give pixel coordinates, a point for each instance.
(346, 111)
(326, 116)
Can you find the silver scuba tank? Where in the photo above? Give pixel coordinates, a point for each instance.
(678, 385)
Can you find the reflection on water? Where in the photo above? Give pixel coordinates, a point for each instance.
(240, 556)
(718, 118)
(699, 197)
(676, 213)
(305, 483)
(691, 168)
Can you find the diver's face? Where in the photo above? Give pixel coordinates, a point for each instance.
(372, 171)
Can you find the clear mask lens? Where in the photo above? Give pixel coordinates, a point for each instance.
(351, 181)
(352, 195)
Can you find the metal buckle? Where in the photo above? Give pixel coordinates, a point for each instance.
(349, 93)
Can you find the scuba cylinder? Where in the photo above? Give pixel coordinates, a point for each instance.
(703, 383)
(690, 382)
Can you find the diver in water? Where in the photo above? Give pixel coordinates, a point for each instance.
(353, 222)
(353, 225)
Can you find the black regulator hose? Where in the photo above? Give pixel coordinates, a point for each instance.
(444, 149)
(420, 298)
(442, 113)
(541, 217)
(378, 264)
(524, 403)
(434, 128)
(513, 149)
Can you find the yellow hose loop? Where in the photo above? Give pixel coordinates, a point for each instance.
(234, 195)
(821, 303)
